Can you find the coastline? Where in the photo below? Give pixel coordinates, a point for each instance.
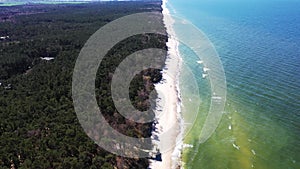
(169, 121)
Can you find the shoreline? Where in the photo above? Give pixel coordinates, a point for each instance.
(169, 120)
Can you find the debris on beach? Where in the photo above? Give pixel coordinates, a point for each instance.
(47, 58)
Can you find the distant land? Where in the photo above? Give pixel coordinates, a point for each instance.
(21, 2)
(34, 1)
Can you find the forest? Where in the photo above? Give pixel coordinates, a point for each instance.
(38, 124)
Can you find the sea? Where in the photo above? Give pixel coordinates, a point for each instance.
(258, 44)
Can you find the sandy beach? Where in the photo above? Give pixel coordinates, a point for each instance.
(168, 112)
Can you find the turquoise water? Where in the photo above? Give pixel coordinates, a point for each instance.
(259, 46)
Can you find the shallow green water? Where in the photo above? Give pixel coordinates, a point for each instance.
(258, 43)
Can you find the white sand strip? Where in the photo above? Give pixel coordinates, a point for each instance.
(168, 115)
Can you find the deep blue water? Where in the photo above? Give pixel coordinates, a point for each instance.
(259, 46)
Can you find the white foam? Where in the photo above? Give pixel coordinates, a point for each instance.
(187, 146)
(205, 69)
(236, 146)
(216, 97)
(204, 75)
(200, 61)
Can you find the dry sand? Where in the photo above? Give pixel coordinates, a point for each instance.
(168, 115)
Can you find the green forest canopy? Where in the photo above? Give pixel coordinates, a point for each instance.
(38, 125)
